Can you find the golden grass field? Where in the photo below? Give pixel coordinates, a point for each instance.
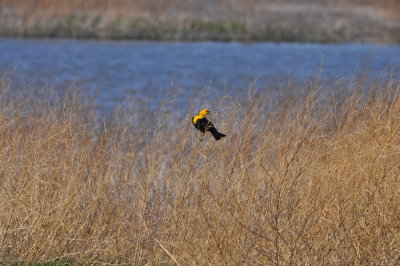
(330, 21)
(310, 180)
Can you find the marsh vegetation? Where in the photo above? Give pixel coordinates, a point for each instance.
(311, 178)
(325, 21)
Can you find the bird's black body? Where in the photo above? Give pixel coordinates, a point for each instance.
(204, 125)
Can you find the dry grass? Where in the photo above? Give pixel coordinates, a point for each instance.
(251, 20)
(316, 181)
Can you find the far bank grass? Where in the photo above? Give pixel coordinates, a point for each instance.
(190, 30)
(290, 21)
(311, 178)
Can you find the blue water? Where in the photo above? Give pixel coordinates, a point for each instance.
(120, 69)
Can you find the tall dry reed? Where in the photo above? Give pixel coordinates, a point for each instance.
(314, 181)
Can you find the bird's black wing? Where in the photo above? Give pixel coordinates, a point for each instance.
(203, 125)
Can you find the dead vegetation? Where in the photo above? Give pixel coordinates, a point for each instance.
(223, 20)
(315, 181)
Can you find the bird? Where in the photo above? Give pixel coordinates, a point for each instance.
(201, 123)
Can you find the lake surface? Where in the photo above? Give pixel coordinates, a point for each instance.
(120, 69)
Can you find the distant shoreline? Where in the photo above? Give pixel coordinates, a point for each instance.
(198, 31)
(269, 21)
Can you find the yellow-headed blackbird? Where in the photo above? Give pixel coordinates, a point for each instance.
(201, 123)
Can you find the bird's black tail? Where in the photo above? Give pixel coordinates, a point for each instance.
(215, 133)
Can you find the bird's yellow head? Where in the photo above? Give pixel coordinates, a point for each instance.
(203, 113)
